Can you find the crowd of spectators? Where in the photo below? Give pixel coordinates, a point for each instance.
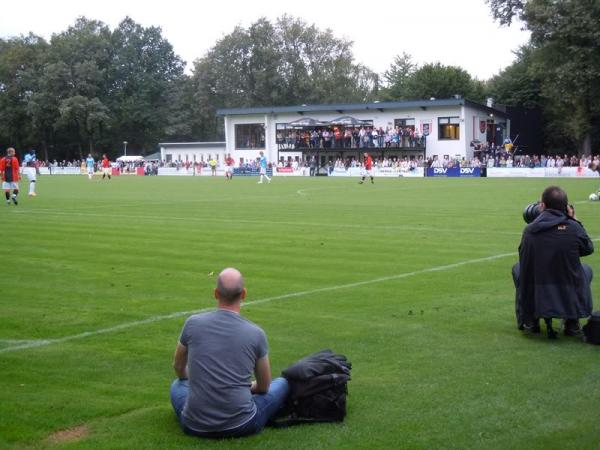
(350, 137)
(490, 159)
(502, 159)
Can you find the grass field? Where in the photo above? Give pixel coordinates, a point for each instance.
(410, 278)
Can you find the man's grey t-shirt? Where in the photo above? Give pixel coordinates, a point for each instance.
(222, 351)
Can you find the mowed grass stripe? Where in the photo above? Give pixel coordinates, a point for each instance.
(45, 342)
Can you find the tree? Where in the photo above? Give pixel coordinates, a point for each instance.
(505, 11)
(20, 62)
(439, 81)
(566, 59)
(397, 76)
(87, 116)
(281, 63)
(518, 84)
(144, 77)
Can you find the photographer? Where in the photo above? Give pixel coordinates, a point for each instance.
(549, 278)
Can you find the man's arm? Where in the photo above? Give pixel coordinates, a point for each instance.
(262, 372)
(180, 361)
(586, 246)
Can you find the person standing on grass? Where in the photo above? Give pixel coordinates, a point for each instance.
(89, 162)
(105, 167)
(263, 168)
(30, 168)
(217, 353)
(368, 169)
(229, 162)
(213, 167)
(9, 170)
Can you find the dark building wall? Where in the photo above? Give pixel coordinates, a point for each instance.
(526, 130)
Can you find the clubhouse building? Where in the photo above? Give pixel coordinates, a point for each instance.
(424, 128)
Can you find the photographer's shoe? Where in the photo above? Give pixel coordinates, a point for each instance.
(532, 328)
(572, 328)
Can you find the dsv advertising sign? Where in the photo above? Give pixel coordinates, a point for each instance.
(455, 172)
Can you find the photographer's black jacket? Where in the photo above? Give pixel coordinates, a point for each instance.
(551, 278)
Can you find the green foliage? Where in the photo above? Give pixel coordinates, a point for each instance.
(405, 80)
(518, 84)
(20, 62)
(283, 63)
(91, 87)
(397, 77)
(439, 81)
(505, 11)
(564, 60)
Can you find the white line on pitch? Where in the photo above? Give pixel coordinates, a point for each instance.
(123, 326)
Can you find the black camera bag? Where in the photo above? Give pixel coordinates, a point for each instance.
(318, 390)
(591, 330)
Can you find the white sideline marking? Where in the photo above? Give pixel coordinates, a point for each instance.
(123, 326)
(19, 341)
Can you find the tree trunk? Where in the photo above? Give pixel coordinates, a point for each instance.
(45, 147)
(586, 146)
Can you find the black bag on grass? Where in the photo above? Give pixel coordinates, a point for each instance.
(318, 390)
(591, 330)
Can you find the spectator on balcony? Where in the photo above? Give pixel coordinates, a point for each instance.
(326, 138)
(347, 138)
(338, 137)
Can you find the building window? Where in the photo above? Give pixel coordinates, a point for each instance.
(404, 123)
(250, 136)
(448, 128)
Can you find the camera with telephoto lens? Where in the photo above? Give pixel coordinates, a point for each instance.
(533, 210)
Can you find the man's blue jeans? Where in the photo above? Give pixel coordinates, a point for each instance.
(266, 406)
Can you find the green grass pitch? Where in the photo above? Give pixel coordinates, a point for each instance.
(410, 278)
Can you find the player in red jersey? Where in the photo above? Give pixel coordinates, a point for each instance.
(368, 164)
(105, 167)
(229, 162)
(9, 170)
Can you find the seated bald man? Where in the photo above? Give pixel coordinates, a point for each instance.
(217, 354)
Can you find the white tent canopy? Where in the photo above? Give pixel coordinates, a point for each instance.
(128, 159)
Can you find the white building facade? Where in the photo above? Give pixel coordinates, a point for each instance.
(449, 127)
(192, 152)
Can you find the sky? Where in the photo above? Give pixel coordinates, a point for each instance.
(461, 32)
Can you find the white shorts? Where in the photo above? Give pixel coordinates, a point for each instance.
(106, 171)
(90, 171)
(7, 186)
(31, 173)
(367, 173)
(229, 169)
(263, 171)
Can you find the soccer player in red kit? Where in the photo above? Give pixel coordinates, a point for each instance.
(229, 162)
(368, 162)
(9, 170)
(105, 167)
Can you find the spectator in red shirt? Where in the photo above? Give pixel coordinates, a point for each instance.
(368, 166)
(9, 170)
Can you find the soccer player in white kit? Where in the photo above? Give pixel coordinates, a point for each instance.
(30, 169)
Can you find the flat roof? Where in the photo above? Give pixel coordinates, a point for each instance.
(192, 144)
(374, 106)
